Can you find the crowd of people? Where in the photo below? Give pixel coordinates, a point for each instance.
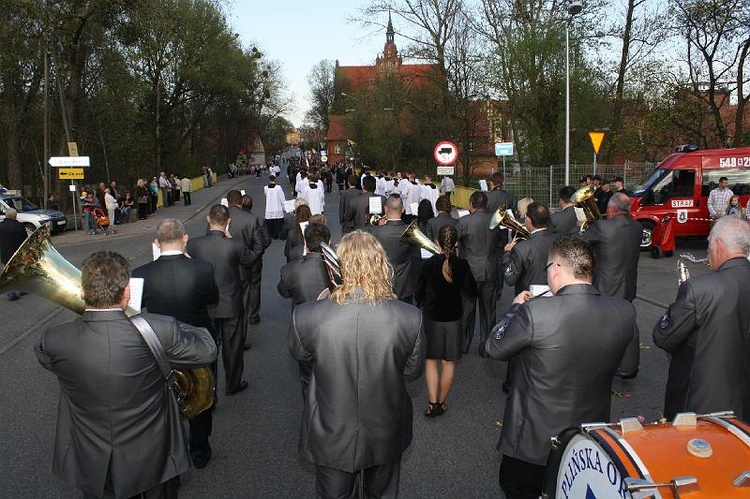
(385, 308)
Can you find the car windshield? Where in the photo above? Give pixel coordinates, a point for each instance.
(20, 204)
(649, 181)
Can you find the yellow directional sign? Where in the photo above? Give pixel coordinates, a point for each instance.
(596, 140)
(71, 173)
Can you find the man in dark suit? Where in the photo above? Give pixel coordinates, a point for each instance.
(617, 246)
(346, 196)
(404, 257)
(253, 289)
(496, 197)
(524, 261)
(226, 255)
(444, 208)
(564, 221)
(579, 337)
(706, 330)
(354, 359)
(118, 426)
(303, 280)
(477, 244)
(12, 236)
(183, 288)
(358, 210)
(245, 227)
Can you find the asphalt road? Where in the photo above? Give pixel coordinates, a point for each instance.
(255, 433)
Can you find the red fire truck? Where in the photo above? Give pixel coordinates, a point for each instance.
(679, 186)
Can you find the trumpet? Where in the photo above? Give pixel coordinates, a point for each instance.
(584, 198)
(682, 270)
(502, 217)
(375, 220)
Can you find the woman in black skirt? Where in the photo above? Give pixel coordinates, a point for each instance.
(443, 278)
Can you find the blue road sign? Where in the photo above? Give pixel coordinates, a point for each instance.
(503, 148)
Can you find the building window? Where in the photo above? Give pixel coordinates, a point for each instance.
(337, 148)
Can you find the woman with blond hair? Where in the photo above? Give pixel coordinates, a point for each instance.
(443, 278)
(362, 346)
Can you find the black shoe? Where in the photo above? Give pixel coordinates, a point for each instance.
(241, 388)
(201, 459)
(247, 346)
(628, 376)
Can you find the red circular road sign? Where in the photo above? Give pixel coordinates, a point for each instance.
(446, 153)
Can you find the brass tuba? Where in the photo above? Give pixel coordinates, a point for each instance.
(502, 217)
(374, 220)
(36, 267)
(584, 198)
(412, 235)
(684, 273)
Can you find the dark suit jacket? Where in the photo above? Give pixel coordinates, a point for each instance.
(344, 200)
(357, 413)
(226, 256)
(436, 223)
(405, 258)
(12, 236)
(358, 210)
(245, 227)
(497, 197)
(478, 244)
(115, 409)
(181, 287)
(617, 246)
(564, 222)
(562, 366)
(526, 264)
(707, 332)
(303, 280)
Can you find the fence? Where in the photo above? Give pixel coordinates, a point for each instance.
(543, 184)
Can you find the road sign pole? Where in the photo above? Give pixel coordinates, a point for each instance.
(594, 163)
(503, 166)
(75, 216)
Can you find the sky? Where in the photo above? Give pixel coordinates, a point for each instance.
(299, 34)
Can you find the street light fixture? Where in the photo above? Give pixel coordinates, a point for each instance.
(574, 8)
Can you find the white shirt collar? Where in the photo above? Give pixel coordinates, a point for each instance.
(171, 253)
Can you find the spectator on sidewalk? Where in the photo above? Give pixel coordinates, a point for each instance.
(187, 188)
(127, 205)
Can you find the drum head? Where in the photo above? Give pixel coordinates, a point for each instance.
(580, 468)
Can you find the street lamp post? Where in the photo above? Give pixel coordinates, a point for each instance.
(574, 7)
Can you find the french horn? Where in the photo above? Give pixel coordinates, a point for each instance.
(38, 268)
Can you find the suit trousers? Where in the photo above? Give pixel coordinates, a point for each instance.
(252, 300)
(229, 332)
(375, 482)
(521, 480)
(487, 302)
(199, 430)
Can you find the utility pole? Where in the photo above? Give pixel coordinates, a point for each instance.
(45, 158)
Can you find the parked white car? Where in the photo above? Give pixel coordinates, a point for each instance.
(30, 215)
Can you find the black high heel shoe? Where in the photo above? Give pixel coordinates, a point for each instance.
(432, 410)
(441, 408)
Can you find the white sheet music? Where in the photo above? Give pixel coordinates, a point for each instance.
(483, 185)
(289, 206)
(376, 205)
(536, 289)
(136, 293)
(462, 213)
(155, 250)
(224, 202)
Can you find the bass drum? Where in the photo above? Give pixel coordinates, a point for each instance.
(708, 459)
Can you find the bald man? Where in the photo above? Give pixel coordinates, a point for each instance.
(12, 236)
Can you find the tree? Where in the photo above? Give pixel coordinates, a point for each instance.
(322, 94)
(716, 35)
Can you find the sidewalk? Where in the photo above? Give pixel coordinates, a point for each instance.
(201, 200)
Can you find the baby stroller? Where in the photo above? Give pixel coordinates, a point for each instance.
(101, 222)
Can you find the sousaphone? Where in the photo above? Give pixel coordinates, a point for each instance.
(36, 267)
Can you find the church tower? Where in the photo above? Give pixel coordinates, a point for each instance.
(389, 62)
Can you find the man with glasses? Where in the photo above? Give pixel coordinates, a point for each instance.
(565, 351)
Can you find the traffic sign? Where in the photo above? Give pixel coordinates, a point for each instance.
(503, 148)
(446, 170)
(596, 140)
(68, 161)
(70, 173)
(323, 158)
(446, 153)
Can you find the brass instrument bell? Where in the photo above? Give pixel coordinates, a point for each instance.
(502, 217)
(38, 268)
(412, 235)
(584, 198)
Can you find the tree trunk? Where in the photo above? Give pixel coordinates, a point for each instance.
(739, 117)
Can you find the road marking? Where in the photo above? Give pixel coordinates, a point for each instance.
(31, 329)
